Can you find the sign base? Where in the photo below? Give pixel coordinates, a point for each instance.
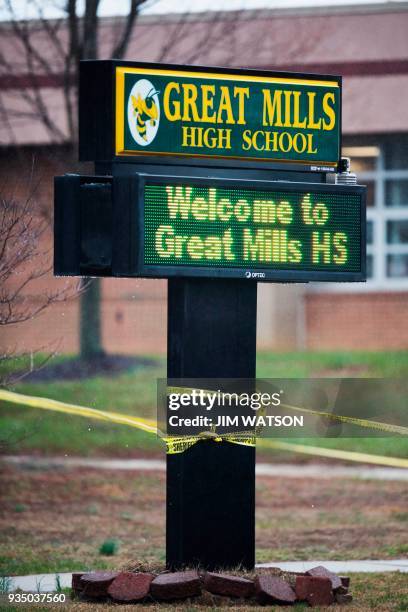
(211, 506)
(211, 486)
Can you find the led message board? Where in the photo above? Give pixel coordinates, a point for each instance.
(252, 229)
(208, 114)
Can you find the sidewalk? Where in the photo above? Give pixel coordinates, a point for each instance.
(288, 470)
(46, 583)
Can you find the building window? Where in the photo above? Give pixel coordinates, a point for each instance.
(384, 169)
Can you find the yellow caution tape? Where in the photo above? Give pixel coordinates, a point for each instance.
(377, 425)
(175, 445)
(178, 445)
(102, 415)
(333, 453)
(388, 427)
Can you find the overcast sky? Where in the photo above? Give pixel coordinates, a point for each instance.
(27, 8)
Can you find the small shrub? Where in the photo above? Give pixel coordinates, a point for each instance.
(109, 548)
(20, 508)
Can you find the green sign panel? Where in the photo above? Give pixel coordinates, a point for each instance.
(237, 228)
(227, 115)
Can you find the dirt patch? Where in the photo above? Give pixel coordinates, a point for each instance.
(57, 520)
(79, 369)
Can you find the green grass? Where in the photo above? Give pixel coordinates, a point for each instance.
(134, 392)
(385, 364)
(49, 564)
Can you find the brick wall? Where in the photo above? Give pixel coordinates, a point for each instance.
(133, 310)
(356, 321)
(134, 315)
(133, 321)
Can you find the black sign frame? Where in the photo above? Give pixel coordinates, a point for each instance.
(97, 121)
(257, 274)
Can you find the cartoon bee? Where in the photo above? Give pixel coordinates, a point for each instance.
(145, 110)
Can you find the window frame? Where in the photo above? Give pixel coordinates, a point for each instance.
(379, 214)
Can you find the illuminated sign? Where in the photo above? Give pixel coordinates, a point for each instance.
(201, 116)
(251, 229)
(263, 116)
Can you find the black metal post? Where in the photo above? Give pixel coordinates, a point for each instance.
(211, 486)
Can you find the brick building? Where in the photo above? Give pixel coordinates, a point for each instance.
(365, 44)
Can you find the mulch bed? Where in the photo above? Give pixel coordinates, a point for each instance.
(80, 369)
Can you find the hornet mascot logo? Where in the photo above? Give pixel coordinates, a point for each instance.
(143, 112)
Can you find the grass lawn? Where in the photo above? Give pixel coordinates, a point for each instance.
(134, 392)
(56, 521)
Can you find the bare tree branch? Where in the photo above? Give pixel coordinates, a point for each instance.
(51, 28)
(22, 32)
(176, 34)
(120, 48)
(74, 52)
(22, 262)
(8, 378)
(90, 30)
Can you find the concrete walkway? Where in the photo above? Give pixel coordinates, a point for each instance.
(287, 470)
(344, 567)
(46, 583)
